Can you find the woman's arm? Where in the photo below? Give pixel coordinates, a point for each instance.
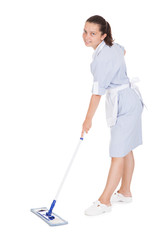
(94, 102)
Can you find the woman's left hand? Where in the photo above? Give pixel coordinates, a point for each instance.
(86, 126)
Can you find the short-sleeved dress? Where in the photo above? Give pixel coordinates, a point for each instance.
(109, 71)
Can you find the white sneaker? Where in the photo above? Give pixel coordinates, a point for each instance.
(120, 198)
(97, 208)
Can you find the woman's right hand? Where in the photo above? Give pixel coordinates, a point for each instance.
(91, 111)
(86, 126)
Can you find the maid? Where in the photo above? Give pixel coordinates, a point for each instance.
(124, 107)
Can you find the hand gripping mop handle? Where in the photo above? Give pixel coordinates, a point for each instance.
(64, 178)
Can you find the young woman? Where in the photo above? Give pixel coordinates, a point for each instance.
(123, 111)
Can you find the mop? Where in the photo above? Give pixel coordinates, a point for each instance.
(47, 215)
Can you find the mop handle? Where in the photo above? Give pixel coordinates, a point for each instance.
(64, 178)
(70, 164)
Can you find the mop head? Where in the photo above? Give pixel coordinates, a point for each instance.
(53, 220)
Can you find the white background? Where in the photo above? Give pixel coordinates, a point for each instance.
(45, 88)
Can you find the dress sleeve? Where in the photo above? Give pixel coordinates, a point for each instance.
(123, 49)
(102, 76)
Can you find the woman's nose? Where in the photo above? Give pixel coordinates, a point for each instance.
(87, 37)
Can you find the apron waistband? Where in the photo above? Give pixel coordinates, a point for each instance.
(116, 89)
(111, 102)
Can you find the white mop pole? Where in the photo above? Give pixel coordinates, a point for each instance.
(64, 178)
(69, 166)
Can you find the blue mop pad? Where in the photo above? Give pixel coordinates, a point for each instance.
(53, 220)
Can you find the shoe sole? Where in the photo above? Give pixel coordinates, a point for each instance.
(92, 215)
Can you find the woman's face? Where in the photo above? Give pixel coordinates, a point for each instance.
(92, 36)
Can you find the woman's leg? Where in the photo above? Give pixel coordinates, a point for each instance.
(128, 168)
(114, 176)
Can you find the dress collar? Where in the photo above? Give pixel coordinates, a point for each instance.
(98, 49)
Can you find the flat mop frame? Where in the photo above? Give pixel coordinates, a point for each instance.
(51, 218)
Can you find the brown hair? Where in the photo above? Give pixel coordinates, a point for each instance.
(104, 28)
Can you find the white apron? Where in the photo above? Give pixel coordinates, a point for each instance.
(111, 102)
